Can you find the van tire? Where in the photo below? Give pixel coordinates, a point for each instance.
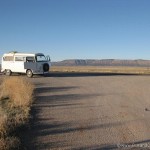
(8, 72)
(29, 74)
(46, 67)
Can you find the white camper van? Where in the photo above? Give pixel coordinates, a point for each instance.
(28, 63)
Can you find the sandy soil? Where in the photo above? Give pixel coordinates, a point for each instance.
(81, 111)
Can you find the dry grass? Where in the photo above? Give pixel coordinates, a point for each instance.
(3, 124)
(9, 143)
(16, 95)
(101, 69)
(18, 90)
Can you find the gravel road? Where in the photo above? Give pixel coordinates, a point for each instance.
(87, 111)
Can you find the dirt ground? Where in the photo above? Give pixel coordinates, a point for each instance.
(90, 111)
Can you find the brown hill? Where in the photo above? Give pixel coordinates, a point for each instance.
(102, 62)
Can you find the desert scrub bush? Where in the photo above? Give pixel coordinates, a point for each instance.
(16, 95)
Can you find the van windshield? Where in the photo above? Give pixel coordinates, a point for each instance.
(40, 58)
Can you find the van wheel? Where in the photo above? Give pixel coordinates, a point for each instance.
(8, 72)
(29, 74)
(46, 67)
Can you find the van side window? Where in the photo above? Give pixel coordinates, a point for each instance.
(19, 58)
(8, 58)
(30, 59)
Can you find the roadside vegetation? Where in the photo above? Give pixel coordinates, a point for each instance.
(16, 95)
(101, 69)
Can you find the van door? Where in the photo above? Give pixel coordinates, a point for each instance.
(19, 64)
(30, 64)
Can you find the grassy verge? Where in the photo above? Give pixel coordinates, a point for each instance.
(16, 95)
(101, 69)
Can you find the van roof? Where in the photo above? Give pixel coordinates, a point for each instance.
(22, 54)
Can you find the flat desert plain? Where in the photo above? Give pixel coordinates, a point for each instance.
(90, 111)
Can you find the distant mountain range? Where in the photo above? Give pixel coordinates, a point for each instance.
(102, 62)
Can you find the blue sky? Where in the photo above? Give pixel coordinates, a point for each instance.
(71, 29)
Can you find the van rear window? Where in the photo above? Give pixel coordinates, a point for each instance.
(8, 58)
